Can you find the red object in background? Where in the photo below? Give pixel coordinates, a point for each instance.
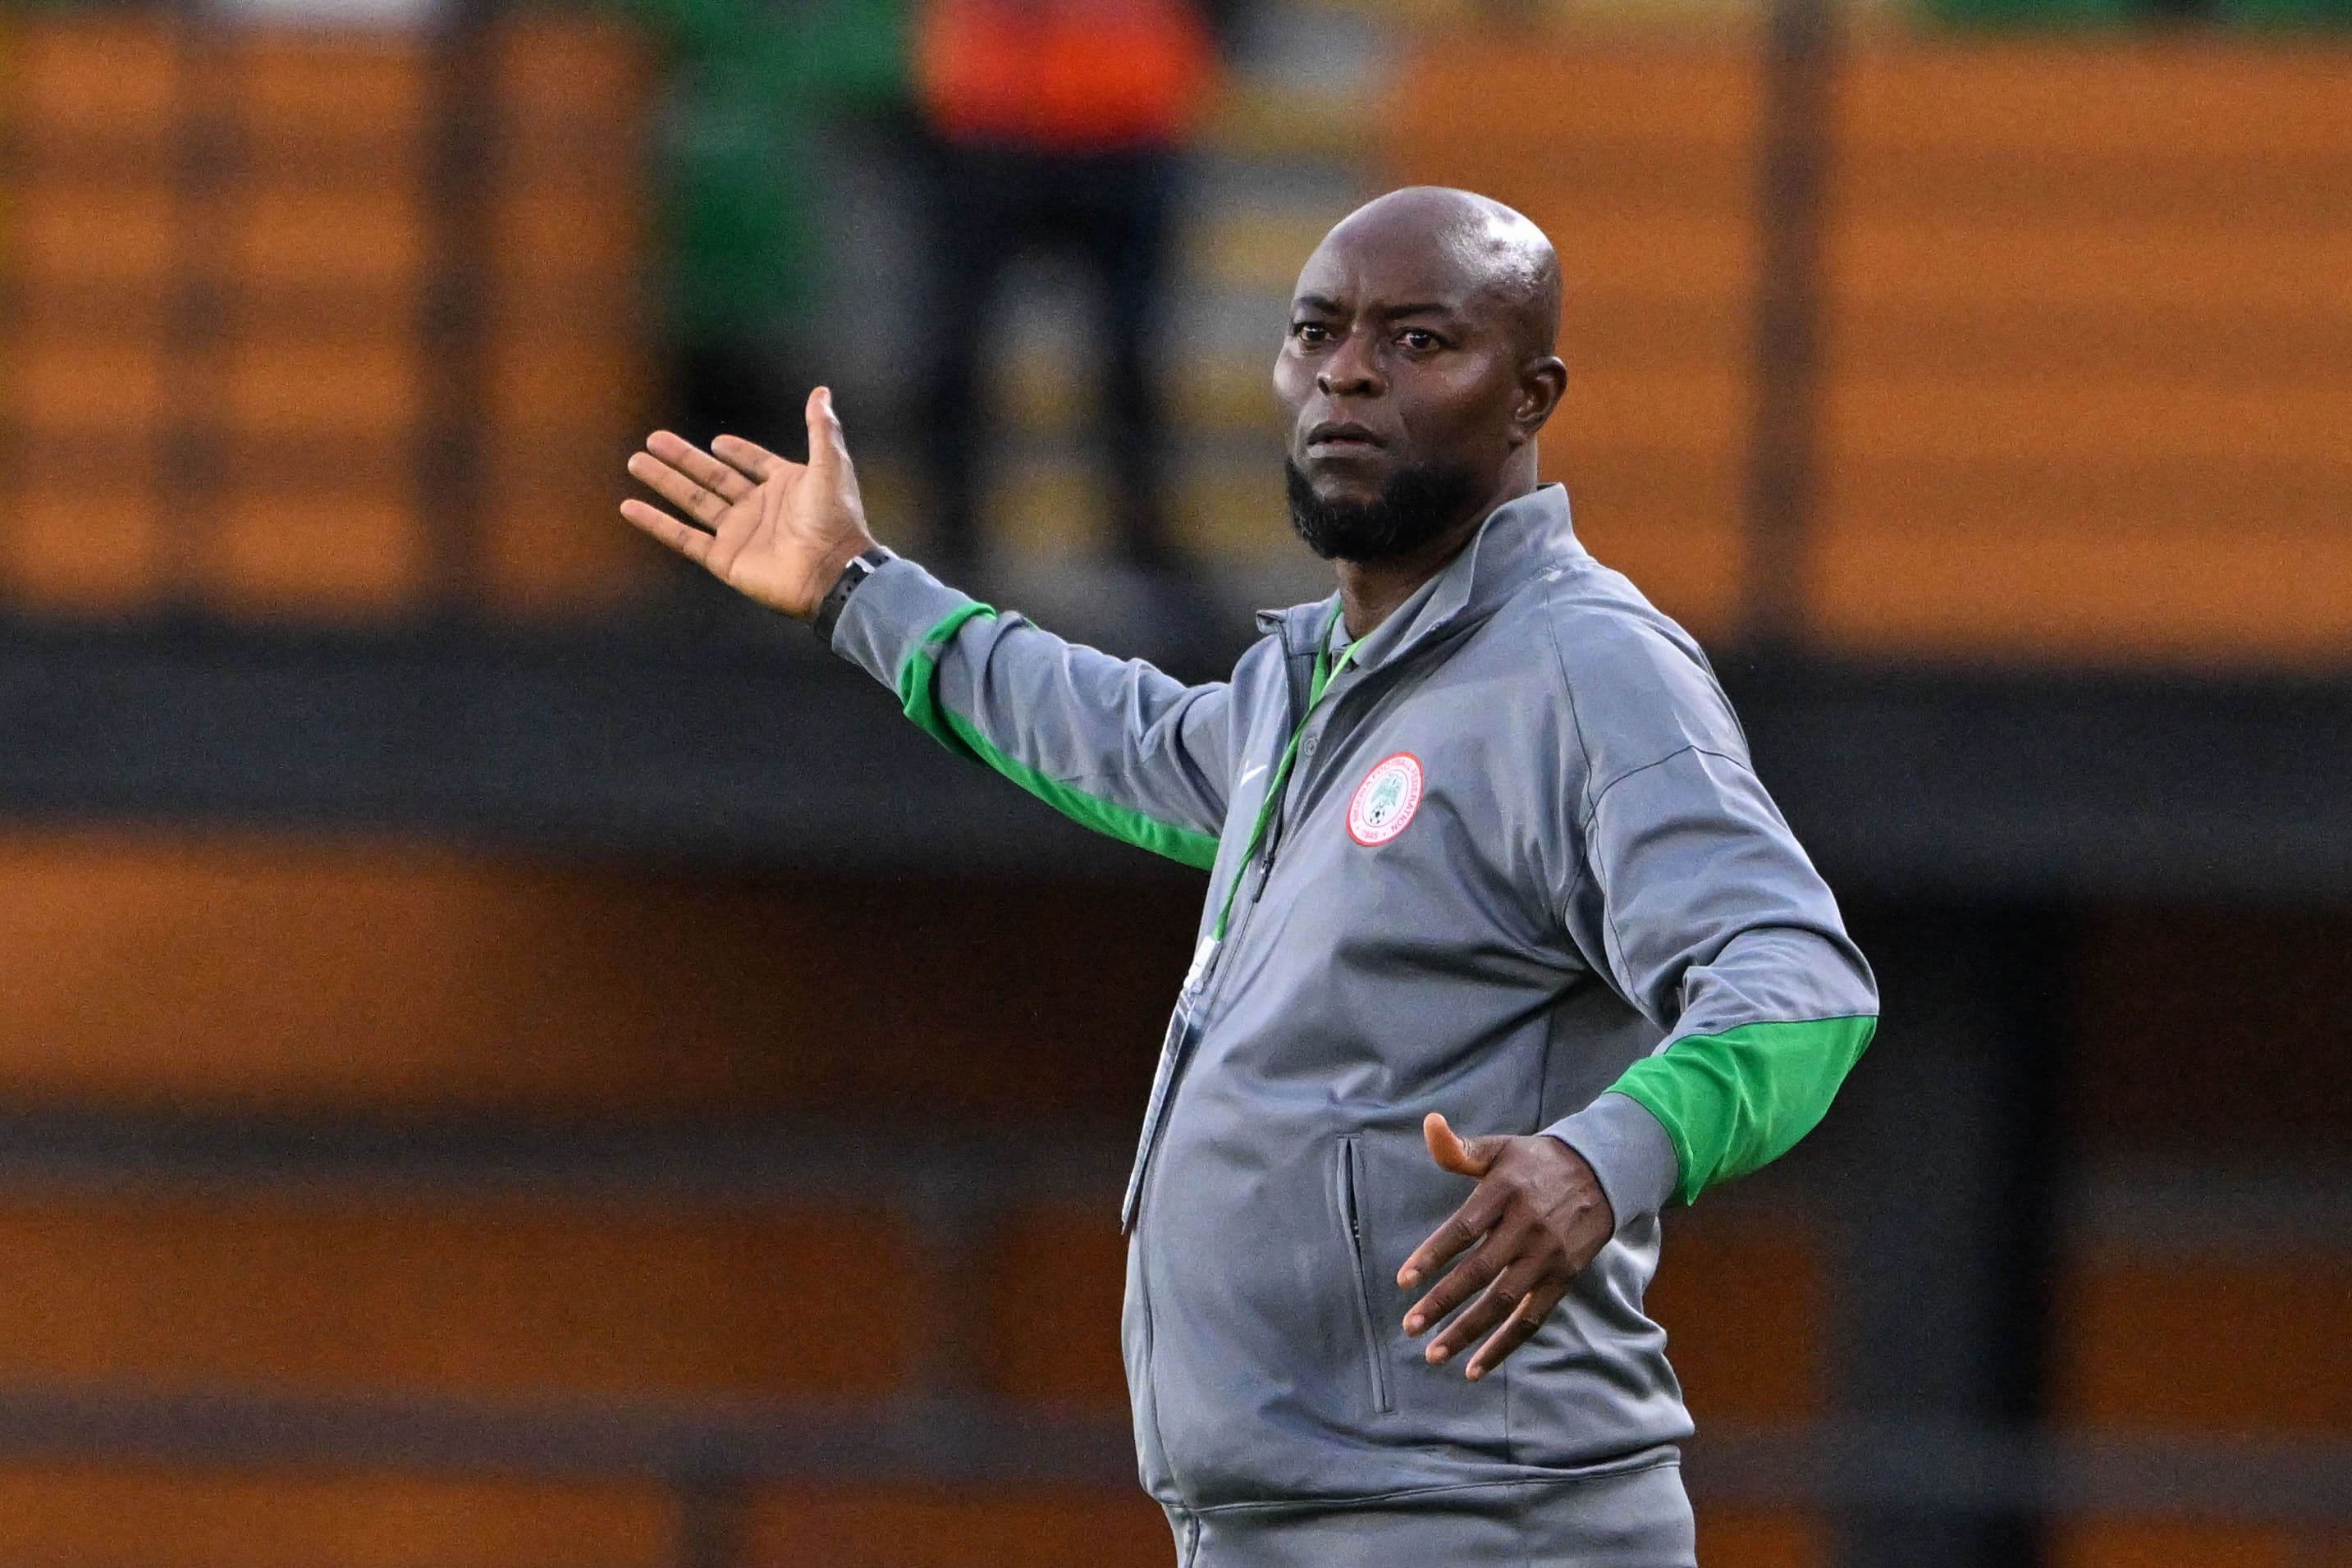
(1063, 76)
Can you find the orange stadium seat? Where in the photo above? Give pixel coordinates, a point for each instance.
(366, 240)
(1056, 1345)
(2045, 99)
(349, 385)
(165, 1518)
(62, 383)
(2087, 367)
(341, 552)
(550, 999)
(74, 544)
(104, 81)
(1760, 1538)
(579, 237)
(590, 380)
(1743, 1296)
(2086, 354)
(2232, 1345)
(2168, 1543)
(302, 94)
(1742, 1299)
(546, 533)
(490, 1296)
(320, 234)
(561, 71)
(71, 232)
(956, 1527)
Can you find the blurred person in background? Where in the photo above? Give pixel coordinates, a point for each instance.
(751, 84)
(1057, 124)
(1527, 876)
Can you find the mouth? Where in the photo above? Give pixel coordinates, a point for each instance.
(1338, 438)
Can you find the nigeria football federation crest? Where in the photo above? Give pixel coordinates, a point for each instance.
(1386, 800)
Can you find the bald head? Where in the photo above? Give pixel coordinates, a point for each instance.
(1502, 259)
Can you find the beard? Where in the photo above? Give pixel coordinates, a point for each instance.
(1413, 507)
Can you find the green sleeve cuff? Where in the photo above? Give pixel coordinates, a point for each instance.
(1734, 1101)
(893, 613)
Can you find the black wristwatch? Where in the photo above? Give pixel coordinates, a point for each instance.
(863, 564)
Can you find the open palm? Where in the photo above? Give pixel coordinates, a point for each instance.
(775, 530)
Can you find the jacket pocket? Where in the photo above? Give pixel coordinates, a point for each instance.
(1351, 1214)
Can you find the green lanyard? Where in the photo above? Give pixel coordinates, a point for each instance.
(1326, 670)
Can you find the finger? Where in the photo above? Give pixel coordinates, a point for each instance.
(688, 541)
(751, 457)
(1465, 1279)
(698, 466)
(828, 447)
(1516, 1330)
(676, 488)
(1471, 1159)
(1484, 1314)
(1462, 1226)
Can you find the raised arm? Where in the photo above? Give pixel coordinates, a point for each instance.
(1114, 743)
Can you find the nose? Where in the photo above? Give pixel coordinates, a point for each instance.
(1352, 369)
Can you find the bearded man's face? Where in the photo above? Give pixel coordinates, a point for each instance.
(1401, 373)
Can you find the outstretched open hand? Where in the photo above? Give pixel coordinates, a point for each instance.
(776, 531)
(1537, 1219)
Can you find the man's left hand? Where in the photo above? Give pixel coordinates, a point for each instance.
(1538, 1218)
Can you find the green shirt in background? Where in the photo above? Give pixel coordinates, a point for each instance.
(751, 82)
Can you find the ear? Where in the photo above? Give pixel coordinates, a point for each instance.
(1542, 383)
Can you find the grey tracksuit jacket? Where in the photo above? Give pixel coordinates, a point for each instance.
(1505, 858)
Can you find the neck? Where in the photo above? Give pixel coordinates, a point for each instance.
(1370, 591)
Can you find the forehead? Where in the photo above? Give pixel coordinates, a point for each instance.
(1367, 266)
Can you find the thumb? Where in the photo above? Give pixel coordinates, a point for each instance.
(1472, 1158)
(828, 450)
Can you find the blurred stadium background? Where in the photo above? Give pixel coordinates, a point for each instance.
(508, 1057)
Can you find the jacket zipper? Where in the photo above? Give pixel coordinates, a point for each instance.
(1375, 1362)
(1201, 987)
(1275, 825)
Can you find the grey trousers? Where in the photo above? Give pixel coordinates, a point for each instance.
(1637, 1518)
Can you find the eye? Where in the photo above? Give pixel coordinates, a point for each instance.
(1309, 334)
(1420, 339)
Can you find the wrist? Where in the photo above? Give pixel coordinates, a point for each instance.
(1629, 1153)
(845, 573)
(826, 575)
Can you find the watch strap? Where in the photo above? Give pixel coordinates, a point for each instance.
(863, 564)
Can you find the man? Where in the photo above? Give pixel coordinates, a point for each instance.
(1483, 842)
(1058, 125)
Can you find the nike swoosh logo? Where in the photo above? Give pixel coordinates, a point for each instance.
(1250, 773)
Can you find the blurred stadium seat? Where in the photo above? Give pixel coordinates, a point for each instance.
(224, 244)
(2088, 310)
